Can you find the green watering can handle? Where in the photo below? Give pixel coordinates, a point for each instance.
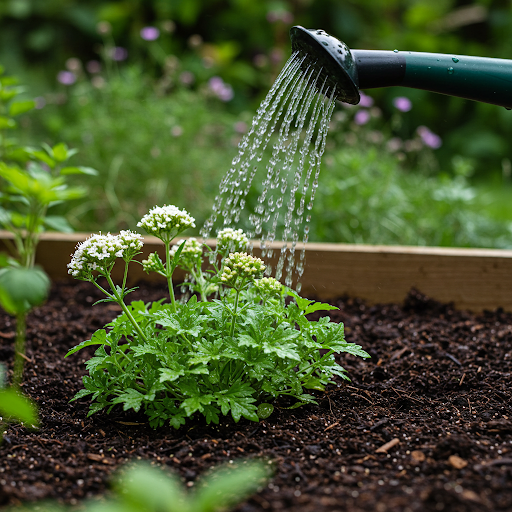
(475, 78)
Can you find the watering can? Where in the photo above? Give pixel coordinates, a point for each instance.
(347, 71)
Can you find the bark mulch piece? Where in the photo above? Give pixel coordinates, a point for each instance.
(425, 424)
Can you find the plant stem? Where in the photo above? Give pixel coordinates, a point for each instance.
(232, 333)
(168, 273)
(19, 349)
(127, 312)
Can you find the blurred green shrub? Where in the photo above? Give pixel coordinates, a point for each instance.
(246, 42)
(150, 145)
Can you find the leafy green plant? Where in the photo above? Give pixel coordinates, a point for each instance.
(33, 180)
(14, 407)
(144, 488)
(233, 354)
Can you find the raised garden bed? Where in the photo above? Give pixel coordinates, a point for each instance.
(425, 424)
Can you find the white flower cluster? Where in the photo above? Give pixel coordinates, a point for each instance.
(268, 286)
(191, 254)
(166, 222)
(241, 267)
(153, 263)
(99, 252)
(233, 240)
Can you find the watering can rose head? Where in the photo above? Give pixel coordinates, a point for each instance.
(99, 253)
(166, 222)
(240, 268)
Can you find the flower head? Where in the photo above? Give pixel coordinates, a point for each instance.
(166, 222)
(220, 88)
(99, 253)
(231, 240)
(362, 117)
(402, 103)
(191, 255)
(66, 77)
(153, 264)
(240, 268)
(365, 100)
(268, 286)
(429, 138)
(150, 33)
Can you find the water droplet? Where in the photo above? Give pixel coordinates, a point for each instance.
(455, 59)
(450, 70)
(395, 51)
(429, 67)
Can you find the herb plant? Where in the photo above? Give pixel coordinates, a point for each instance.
(232, 354)
(32, 181)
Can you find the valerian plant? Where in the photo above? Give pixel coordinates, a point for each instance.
(32, 180)
(233, 347)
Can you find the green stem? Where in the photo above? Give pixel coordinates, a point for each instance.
(232, 333)
(168, 273)
(126, 311)
(19, 349)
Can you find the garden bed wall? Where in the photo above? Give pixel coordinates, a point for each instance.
(474, 279)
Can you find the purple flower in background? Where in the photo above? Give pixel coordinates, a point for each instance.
(119, 53)
(149, 33)
(187, 78)
(366, 101)
(429, 138)
(362, 117)
(221, 89)
(66, 77)
(402, 103)
(240, 127)
(93, 66)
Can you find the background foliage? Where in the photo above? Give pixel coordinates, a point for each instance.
(159, 116)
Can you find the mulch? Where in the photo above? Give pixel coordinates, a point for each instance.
(424, 425)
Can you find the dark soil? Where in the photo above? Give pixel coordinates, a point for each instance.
(425, 424)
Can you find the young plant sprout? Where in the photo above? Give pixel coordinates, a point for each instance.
(234, 347)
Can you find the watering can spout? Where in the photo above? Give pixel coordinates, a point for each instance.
(347, 71)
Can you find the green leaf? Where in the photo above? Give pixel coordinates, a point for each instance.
(22, 288)
(60, 152)
(168, 375)
(265, 410)
(239, 400)
(195, 403)
(318, 306)
(42, 156)
(131, 399)
(176, 421)
(98, 338)
(143, 487)
(6, 122)
(20, 107)
(228, 486)
(79, 170)
(58, 223)
(15, 406)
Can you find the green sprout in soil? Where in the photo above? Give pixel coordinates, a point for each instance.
(233, 347)
(143, 488)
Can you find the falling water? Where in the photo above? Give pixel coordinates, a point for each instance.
(290, 179)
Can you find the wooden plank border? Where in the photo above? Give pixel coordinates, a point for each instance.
(474, 279)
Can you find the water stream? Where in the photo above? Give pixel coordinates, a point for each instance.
(284, 152)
